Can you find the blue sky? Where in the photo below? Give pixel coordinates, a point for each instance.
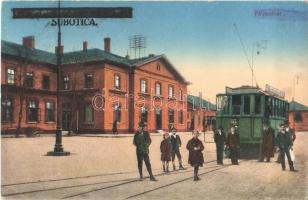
(198, 38)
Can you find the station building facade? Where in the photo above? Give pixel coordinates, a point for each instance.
(201, 114)
(97, 89)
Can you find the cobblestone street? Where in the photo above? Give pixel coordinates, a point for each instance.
(102, 167)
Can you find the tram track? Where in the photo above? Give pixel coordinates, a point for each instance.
(126, 181)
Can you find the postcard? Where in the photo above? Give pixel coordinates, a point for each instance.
(154, 100)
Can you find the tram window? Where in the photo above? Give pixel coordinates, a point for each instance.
(258, 105)
(273, 107)
(236, 104)
(246, 105)
(268, 107)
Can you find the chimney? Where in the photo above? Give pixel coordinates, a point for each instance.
(107, 44)
(28, 42)
(85, 45)
(60, 50)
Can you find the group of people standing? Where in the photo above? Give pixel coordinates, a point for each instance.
(171, 143)
(170, 148)
(283, 141)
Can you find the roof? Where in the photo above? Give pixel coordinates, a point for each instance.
(295, 106)
(93, 55)
(37, 55)
(246, 89)
(13, 49)
(195, 100)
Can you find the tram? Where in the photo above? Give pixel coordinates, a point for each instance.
(246, 108)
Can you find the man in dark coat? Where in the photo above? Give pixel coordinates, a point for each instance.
(195, 157)
(233, 143)
(142, 141)
(285, 142)
(219, 138)
(292, 132)
(176, 144)
(267, 146)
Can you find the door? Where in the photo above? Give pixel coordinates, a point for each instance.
(158, 119)
(66, 120)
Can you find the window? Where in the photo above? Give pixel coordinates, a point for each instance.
(117, 113)
(29, 79)
(66, 82)
(89, 113)
(158, 67)
(257, 105)
(144, 114)
(181, 95)
(88, 80)
(246, 105)
(158, 89)
(298, 117)
(170, 91)
(117, 81)
(7, 110)
(170, 116)
(236, 104)
(181, 117)
(143, 86)
(46, 82)
(32, 111)
(10, 76)
(199, 120)
(49, 112)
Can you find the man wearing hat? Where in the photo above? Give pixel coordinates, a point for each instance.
(219, 138)
(142, 141)
(267, 146)
(285, 142)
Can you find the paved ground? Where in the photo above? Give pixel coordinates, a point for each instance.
(105, 168)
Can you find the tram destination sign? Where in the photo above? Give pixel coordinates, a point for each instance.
(274, 91)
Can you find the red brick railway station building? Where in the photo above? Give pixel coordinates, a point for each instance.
(126, 90)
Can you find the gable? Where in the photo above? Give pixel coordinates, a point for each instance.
(159, 65)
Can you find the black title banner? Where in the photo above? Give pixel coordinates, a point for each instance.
(73, 12)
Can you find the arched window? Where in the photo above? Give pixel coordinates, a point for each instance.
(7, 110)
(143, 86)
(117, 83)
(33, 111)
(170, 91)
(158, 89)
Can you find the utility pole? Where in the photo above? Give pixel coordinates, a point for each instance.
(59, 13)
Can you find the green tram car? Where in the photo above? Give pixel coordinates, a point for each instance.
(247, 108)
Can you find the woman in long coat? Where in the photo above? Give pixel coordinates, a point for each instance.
(195, 158)
(165, 149)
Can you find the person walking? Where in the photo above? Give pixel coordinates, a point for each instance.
(195, 158)
(219, 138)
(176, 144)
(165, 149)
(267, 146)
(285, 142)
(233, 143)
(142, 141)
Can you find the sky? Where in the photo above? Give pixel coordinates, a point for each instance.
(199, 38)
